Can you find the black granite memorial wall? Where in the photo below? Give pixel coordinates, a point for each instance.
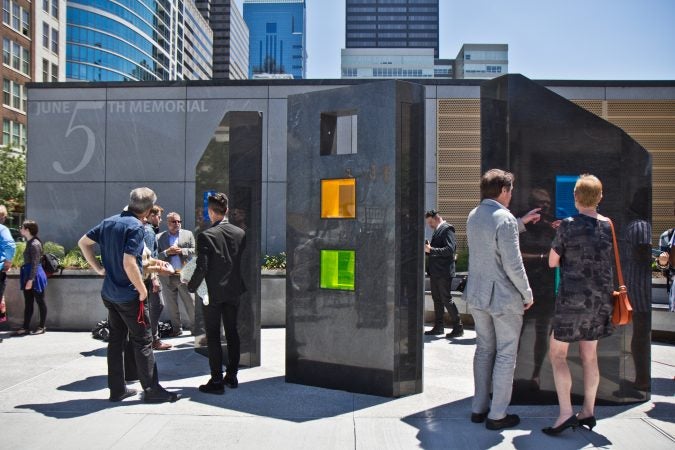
(354, 239)
(547, 142)
(232, 163)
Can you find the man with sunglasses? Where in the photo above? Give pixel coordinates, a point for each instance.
(176, 246)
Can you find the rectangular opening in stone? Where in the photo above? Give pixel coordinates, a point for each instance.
(338, 198)
(337, 269)
(338, 133)
(564, 195)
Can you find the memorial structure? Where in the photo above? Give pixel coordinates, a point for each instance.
(232, 163)
(355, 199)
(547, 141)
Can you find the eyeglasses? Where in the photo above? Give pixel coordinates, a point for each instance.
(174, 221)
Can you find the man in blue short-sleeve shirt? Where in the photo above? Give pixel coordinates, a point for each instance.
(120, 239)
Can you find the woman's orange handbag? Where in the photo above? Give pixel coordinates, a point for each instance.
(623, 312)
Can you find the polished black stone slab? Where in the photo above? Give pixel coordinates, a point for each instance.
(540, 136)
(232, 163)
(368, 339)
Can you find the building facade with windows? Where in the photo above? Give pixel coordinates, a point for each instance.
(387, 63)
(482, 61)
(392, 24)
(130, 40)
(49, 40)
(17, 69)
(277, 37)
(230, 38)
(197, 57)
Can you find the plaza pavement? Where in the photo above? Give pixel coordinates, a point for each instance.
(53, 395)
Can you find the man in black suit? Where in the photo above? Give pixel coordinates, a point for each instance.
(219, 250)
(441, 269)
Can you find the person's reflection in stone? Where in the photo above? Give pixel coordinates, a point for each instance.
(635, 245)
(535, 241)
(238, 218)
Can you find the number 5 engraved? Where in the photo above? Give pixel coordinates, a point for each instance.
(91, 139)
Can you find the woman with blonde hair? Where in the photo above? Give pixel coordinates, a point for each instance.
(583, 250)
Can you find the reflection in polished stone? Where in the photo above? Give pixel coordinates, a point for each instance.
(232, 163)
(354, 283)
(547, 141)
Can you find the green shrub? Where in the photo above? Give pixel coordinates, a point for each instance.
(74, 260)
(17, 261)
(53, 247)
(462, 262)
(275, 261)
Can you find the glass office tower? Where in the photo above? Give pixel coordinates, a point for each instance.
(392, 24)
(126, 40)
(276, 37)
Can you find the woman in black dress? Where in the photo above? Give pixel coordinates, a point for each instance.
(583, 250)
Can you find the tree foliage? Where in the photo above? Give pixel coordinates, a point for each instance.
(12, 178)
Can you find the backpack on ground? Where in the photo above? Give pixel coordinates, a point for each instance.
(101, 331)
(51, 264)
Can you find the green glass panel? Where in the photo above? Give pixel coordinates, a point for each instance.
(337, 269)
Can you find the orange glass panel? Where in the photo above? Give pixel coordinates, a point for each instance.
(338, 198)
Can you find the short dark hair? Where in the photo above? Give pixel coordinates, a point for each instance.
(430, 213)
(31, 226)
(156, 210)
(493, 181)
(218, 203)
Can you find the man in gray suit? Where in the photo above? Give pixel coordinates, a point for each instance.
(498, 293)
(176, 246)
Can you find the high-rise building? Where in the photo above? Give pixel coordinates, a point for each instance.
(197, 55)
(230, 38)
(277, 37)
(392, 24)
(49, 40)
(482, 61)
(387, 63)
(131, 40)
(17, 68)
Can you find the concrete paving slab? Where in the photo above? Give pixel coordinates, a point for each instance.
(53, 394)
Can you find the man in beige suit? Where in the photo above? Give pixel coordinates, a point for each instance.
(176, 246)
(498, 292)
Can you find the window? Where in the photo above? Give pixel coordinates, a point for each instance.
(45, 70)
(338, 198)
(25, 22)
(337, 269)
(6, 126)
(6, 51)
(5, 12)
(55, 73)
(55, 9)
(271, 27)
(45, 5)
(16, 16)
(15, 56)
(338, 133)
(13, 95)
(55, 40)
(45, 35)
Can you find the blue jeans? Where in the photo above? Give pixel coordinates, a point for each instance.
(494, 362)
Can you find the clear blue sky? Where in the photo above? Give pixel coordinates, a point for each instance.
(548, 39)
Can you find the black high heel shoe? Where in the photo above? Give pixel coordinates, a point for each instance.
(590, 422)
(572, 422)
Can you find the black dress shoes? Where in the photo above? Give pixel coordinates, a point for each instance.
(510, 420)
(231, 381)
(572, 422)
(589, 422)
(435, 331)
(213, 387)
(479, 417)
(159, 395)
(457, 331)
(127, 393)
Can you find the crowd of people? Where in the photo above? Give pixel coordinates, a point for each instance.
(141, 267)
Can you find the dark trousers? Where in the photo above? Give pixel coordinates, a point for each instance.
(155, 308)
(3, 280)
(122, 319)
(29, 296)
(442, 297)
(213, 314)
